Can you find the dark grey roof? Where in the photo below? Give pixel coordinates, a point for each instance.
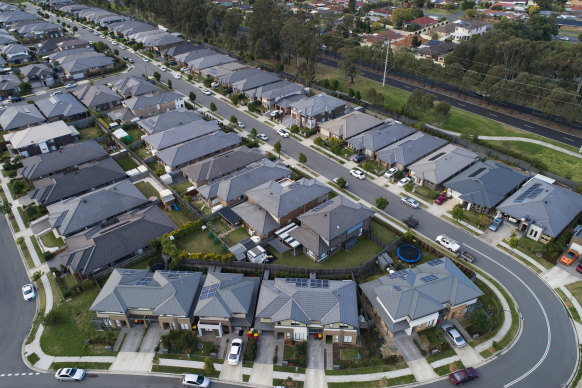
(275, 91)
(98, 247)
(486, 183)
(192, 55)
(220, 165)
(309, 239)
(240, 75)
(163, 292)
(181, 134)
(197, 148)
(287, 101)
(209, 61)
(443, 163)
(77, 65)
(148, 100)
(17, 116)
(74, 214)
(65, 105)
(163, 39)
(53, 189)
(9, 82)
(180, 49)
(256, 217)
(36, 70)
(380, 137)
(350, 125)
(167, 120)
(413, 293)
(50, 45)
(410, 149)
(69, 156)
(129, 27)
(546, 205)
(255, 81)
(316, 105)
(15, 16)
(438, 49)
(93, 96)
(281, 300)
(221, 70)
(134, 86)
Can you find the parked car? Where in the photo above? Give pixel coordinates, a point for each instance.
(114, 43)
(263, 137)
(441, 199)
(177, 76)
(411, 222)
(464, 375)
(146, 60)
(358, 158)
(28, 292)
(195, 381)
(16, 99)
(358, 174)
(56, 93)
(282, 132)
(276, 113)
(71, 85)
(410, 202)
(235, 351)
(569, 257)
(390, 173)
(70, 374)
(579, 268)
(402, 182)
(207, 92)
(496, 224)
(185, 69)
(215, 84)
(240, 124)
(335, 180)
(163, 68)
(131, 60)
(467, 257)
(448, 243)
(454, 335)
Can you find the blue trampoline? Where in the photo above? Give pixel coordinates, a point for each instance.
(408, 253)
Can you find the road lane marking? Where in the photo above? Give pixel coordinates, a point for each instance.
(568, 139)
(491, 114)
(459, 104)
(529, 126)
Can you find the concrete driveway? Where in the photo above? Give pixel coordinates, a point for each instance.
(418, 365)
(232, 372)
(262, 373)
(315, 374)
(132, 338)
(151, 339)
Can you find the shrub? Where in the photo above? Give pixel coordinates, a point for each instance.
(180, 341)
(480, 321)
(514, 242)
(381, 203)
(54, 317)
(209, 367)
(318, 141)
(35, 276)
(251, 350)
(408, 187)
(302, 157)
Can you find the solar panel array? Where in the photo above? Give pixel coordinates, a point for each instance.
(435, 262)
(299, 282)
(143, 281)
(322, 206)
(429, 278)
(402, 274)
(477, 172)
(127, 272)
(397, 288)
(319, 283)
(208, 291)
(531, 192)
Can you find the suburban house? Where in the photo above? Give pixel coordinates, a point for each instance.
(248, 79)
(227, 301)
(218, 166)
(50, 46)
(331, 227)
(16, 53)
(408, 150)
(9, 85)
(274, 204)
(87, 178)
(381, 37)
(181, 134)
(153, 104)
(167, 298)
(98, 97)
(348, 126)
(184, 47)
(444, 31)
(414, 299)
(67, 158)
(128, 27)
(434, 169)
(41, 139)
(168, 120)
(62, 107)
(296, 309)
(16, 117)
(184, 58)
(231, 188)
(312, 111)
(215, 71)
(466, 30)
(133, 86)
(71, 44)
(160, 42)
(484, 185)
(215, 59)
(32, 31)
(96, 249)
(436, 52)
(38, 74)
(423, 22)
(373, 140)
(541, 209)
(269, 94)
(6, 38)
(77, 68)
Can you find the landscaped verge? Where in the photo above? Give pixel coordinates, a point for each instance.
(408, 379)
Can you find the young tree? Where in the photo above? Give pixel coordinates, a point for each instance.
(348, 63)
(233, 119)
(192, 96)
(381, 203)
(253, 133)
(277, 147)
(213, 107)
(408, 187)
(442, 111)
(157, 76)
(457, 213)
(170, 84)
(5, 208)
(480, 321)
(116, 52)
(25, 88)
(427, 103)
(302, 157)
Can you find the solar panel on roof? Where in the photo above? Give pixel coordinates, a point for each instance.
(325, 283)
(428, 278)
(435, 262)
(437, 156)
(477, 172)
(531, 192)
(322, 206)
(397, 288)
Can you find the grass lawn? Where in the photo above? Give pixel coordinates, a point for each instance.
(202, 207)
(141, 152)
(384, 234)
(135, 134)
(237, 235)
(41, 296)
(219, 225)
(26, 253)
(181, 187)
(569, 305)
(144, 263)
(408, 379)
(147, 189)
(89, 133)
(23, 192)
(37, 249)
(367, 370)
(532, 248)
(82, 365)
(576, 290)
(127, 163)
(288, 352)
(450, 368)
(440, 355)
(348, 354)
(425, 192)
(198, 242)
(178, 218)
(372, 167)
(51, 241)
(180, 370)
(441, 11)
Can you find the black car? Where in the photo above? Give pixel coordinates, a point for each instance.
(16, 99)
(411, 222)
(358, 158)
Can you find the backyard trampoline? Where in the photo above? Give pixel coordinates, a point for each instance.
(408, 253)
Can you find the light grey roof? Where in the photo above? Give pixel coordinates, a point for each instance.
(98, 247)
(181, 134)
(17, 116)
(15, 16)
(9, 82)
(414, 293)
(134, 86)
(256, 217)
(486, 183)
(93, 96)
(147, 100)
(240, 75)
(335, 217)
(192, 55)
(71, 43)
(209, 61)
(67, 55)
(35, 28)
(15, 48)
(61, 105)
(546, 205)
(36, 70)
(350, 125)
(163, 292)
(275, 91)
(161, 40)
(410, 149)
(220, 165)
(281, 300)
(74, 214)
(236, 184)
(6, 38)
(380, 137)
(279, 200)
(197, 148)
(221, 70)
(84, 64)
(167, 120)
(287, 101)
(442, 164)
(316, 105)
(40, 134)
(255, 81)
(122, 114)
(129, 27)
(70, 155)
(181, 48)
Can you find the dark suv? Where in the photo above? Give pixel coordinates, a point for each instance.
(358, 158)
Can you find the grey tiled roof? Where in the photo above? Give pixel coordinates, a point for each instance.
(280, 300)
(93, 96)
(50, 45)
(61, 105)
(134, 86)
(16, 116)
(148, 100)
(256, 217)
(350, 125)
(439, 49)
(181, 134)
(9, 82)
(408, 293)
(240, 75)
(180, 49)
(6, 38)
(316, 105)
(209, 61)
(15, 16)
(74, 214)
(197, 148)
(36, 70)
(486, 183)
(40, 134)
(192, 55)
(222, 70)
(77, 65)
(167, 120)
(443, 163)
(410, 149)
(275, 91)
(546, 205)
(380, 137)
(255, 81)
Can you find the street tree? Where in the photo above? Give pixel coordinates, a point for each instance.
(192, 96)
(277, 147)
(381, 203)
(442, 111)
(302, 157)
(157, 76)
(341, 182)
(213, 107)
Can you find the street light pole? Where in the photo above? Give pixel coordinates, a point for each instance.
(386, 64)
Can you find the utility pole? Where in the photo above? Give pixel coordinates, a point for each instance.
(386, 64)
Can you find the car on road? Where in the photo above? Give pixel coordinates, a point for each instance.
(114, 43)
(146, 60)
(410, 202)
(454, 335)
(71, 85)
(467, 257)
(402, 182)
(462, 376)
(235, 351)
(411, 222)
(177, 76)
(70, 374)
(56, 93)
(122, 47)
(16, 99)
(263, 137)
(495, 224)
(358, 174)
(131, 60)
(569, 257)
(358, 158)
(335, 180)
(28, 292)
(215, 84)
(240, 124)
(207, 92)
(448, 243)
(283, 133)
(441, 199)
(195, 381)
(163, 68)
(390, 173)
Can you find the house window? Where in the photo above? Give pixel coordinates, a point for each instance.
(336, 338)
(293, 323)
(184, 326)
(288, 335)
(299, 336)
(347, 338)
(173, 326)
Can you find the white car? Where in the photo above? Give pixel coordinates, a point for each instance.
(195, 381)
(163, 68)
(56, 93)
(235, 351)
(276, 113)
(454, 335)
(185, 69)
(28, 292)
(70, 374)
(146, 60)
(71, 86)
(448, 243)
(207, 92)
(358, 174)
(410, 202)
(282, 132)
(390, 173)
(402, 182)
(214, 84)
(177, 76)
(122, 47)
(263, 137)
(240, 124)
(114, 43)
(336, 180)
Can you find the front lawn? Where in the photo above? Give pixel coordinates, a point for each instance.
(127, 163)
(82, 365)
(49, 240)
(576, 290)
(198, 242)
(18, 187)
(288, 352)
(449, 368)
(89, 133)
(349, 354)
(147, 189)
(427, 193)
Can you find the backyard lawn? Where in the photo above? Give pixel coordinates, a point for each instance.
(198, 242)
(127, 163)
(51, 241)
(135, 134)
(384, 234)
(90, 133)
(179, 218)
(141, 152)
(349, 354)
(181, 187)
(147, 189)
(219, 225)
(202, 207)
(237, 235)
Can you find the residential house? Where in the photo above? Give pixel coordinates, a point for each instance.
(415, 299)
(466, 30)
(153, 104)
(373, 140)
(97, 97)
(50, 46)
(42, 139)
(348, 126)
(269, 94)
(38, 74)
(202, 63)
(227, 301)
(167, 298)
(284, 104)
(133, 86)
(16, 53)
(444, 31)
(296, 309)
(541, 209)
(214, 71)
(332, 226)
(408, 150)
(436, 52)
(436, 168)
(110, 19)
(406, 43)
(35, 30)
(7, 19)
(168, 120)
(7, 38)
(16, 117)
(80, 68)
(160, 42)
(62, 107)
(181, 48)
(381, 37)
(94, 250)
(128, 27)
(423, 22)
(274, 204)
(9, 85)
(181, 134)
(72, 44)
(312, 111)
(184, 58)
(484, 185)
(248, 79)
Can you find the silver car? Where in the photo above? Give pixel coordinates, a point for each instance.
(410, 202)
(195, 381)
(454, 335)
